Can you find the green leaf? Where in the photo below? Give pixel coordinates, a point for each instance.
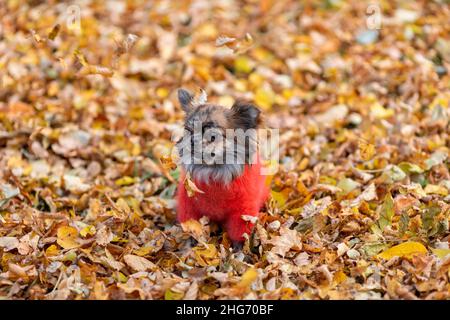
(387, 212)
(376, 229)
(428, 218)
(305, 225)
(441, 253)
(393, 174)
(347, 185)
(436, 158)
(373, 249)
(404, 222)
(409, 168)
(172, 295)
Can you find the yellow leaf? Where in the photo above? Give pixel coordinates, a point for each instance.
(66, 237)
(52, 251)
(91, 69)
(264, 98)
(143, 251)
(80, 57)
(436, 189)
(255, 80)
(122, 204)
(441, 253)
(125, 181)
(168, 163)
(243, 64)
(162, 92)
(89, 230)
(207, 30)
(279, 197)
(301, 188)
(134, 204)
(247, 278)
(206, 256)
(406, 249)
(379, 112)
(367, 150)
(339, 277)
(120, 277)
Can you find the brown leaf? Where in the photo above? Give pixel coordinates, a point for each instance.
(138, 263)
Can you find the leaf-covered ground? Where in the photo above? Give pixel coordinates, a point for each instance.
(360, 207)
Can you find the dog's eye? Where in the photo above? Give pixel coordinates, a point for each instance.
(213, 138)
(189, 129)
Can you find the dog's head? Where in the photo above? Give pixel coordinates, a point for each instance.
(217, 141)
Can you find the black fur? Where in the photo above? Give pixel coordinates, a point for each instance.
(244, 115)
(185, 98)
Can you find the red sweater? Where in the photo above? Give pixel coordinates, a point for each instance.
(226, 204)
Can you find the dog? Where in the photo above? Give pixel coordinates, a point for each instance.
(219, 152)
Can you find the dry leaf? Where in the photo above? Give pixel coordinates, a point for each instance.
(138, 263)
(248, 278)
(366, 150)
(67, 237)
(406, 249)
(190, 186)
(194, 228)
(52, 35)
(168, 163)
(9, 243)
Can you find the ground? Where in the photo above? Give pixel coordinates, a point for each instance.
(359, 207)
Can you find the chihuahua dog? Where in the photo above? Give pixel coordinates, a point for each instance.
(219, 152)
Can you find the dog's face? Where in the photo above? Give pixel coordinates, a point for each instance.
(217, 141)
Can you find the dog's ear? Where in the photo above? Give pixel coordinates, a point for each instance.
(245, 115)
(186, 100)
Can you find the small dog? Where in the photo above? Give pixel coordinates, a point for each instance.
(219, 152)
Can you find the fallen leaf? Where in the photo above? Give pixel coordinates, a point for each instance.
(435, 159)
(367, 150)
(441, 253)
(138, 263)
(9, 243)
(406, 249)
(287, 240)
(248, 278)
(206, 255)
(194, 228)
(67, 237)
(387, 212)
